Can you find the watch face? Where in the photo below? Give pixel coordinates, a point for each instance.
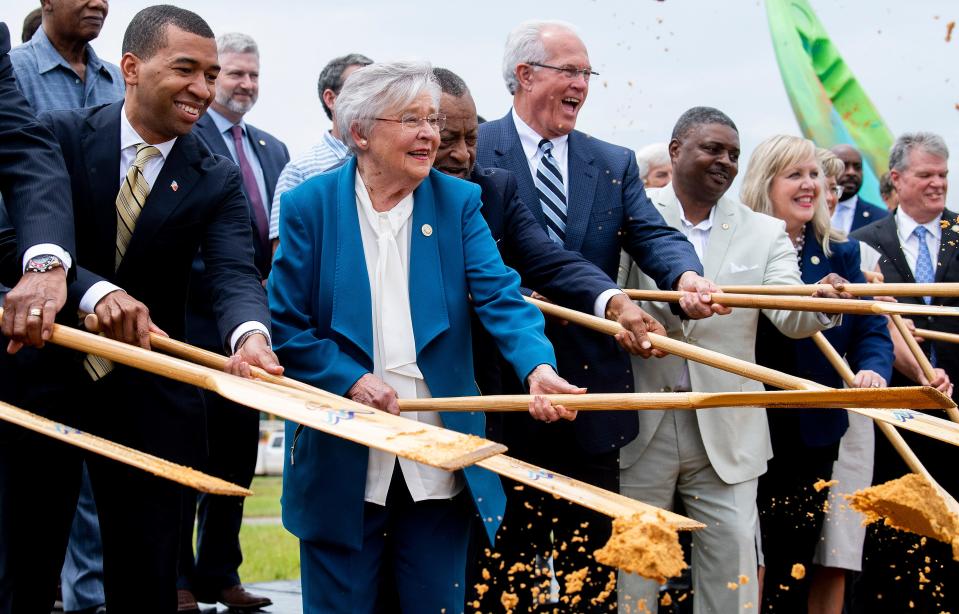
(42, 264)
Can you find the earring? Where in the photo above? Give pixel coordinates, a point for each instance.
(363, 142)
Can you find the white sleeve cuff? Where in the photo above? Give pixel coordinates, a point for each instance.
(47, 248)
(97, 291)
(246, 327)
(599, 307)
(829, 320)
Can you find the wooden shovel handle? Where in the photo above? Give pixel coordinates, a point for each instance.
(948, 290)
(937, 335)
(927, 369)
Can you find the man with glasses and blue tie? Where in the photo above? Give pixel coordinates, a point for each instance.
(918, 243)
(588, 196)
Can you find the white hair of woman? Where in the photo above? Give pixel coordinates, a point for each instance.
(654, 154)
(379, 89)
(524, 45)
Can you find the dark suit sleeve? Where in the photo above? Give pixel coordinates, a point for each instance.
(661, 251)
(559, 274)
(870, 345)
(227, 247)
(33, 177)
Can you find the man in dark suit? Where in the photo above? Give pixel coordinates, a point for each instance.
(147, 196)
(918, 243)
(588, 196)
(852, 212)
(32, 182)
(232, 434)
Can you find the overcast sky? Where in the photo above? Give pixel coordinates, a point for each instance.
(656, 59)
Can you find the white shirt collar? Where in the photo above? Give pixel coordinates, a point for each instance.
(530, 139)
(905, 226)
(130, 138)
(706, 225)
(849, 203)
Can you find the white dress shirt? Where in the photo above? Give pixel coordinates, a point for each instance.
(905, 226)
(129, 139)
(844, 214)
(698, 235)
(530, 139)
(394, 355)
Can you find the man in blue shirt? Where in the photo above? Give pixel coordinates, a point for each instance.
(58, 69)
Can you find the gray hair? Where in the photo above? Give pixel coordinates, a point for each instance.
(928, 142)
(236, 42)
(331, 77)
(655, 154)
(525, 45)
(378, 89)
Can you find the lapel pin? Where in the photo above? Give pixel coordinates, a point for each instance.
(865, 214)
(262, 142)
(814, 260)
(174, 186)
(725, 226)
(427, 230)
(955, 228)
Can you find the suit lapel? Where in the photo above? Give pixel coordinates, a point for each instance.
(101, 144)
(948, 245)
(179, 170)
(352, 304)
(509, 155)
(581, 190)
(427, 296)
(815, 265)
(888, 245)
(720, 237)
(211, 137)
(269, 163)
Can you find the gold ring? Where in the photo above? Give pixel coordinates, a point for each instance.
(35, 312)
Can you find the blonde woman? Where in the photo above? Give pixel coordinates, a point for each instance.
(784, 179)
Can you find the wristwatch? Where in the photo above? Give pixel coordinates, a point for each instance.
(42, 264)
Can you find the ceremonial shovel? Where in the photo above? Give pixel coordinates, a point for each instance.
(924, 424)
(277, 395)
(874, 289)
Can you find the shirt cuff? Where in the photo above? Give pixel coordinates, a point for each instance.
(47, 248)
(599, 307)
(246, 327)
(829, 320)
(88, 304)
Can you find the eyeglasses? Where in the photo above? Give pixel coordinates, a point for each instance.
(570, 71)
(436, 121)
(837, 190)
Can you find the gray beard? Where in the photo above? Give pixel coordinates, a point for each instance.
(237, 107)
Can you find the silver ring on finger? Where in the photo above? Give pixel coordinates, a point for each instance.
(35, 312)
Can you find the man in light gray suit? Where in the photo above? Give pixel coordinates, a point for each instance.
(712, 458)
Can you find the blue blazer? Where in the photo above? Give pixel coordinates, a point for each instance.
(608, 211)
(320, 299)
(866, 213)
(863, 340)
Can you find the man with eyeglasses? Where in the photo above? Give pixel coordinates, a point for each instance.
(852, 212)
(588, 196)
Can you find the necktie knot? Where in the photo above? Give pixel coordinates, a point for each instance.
(145, 153)
(546, 146)
(237, 132)
(920, 232)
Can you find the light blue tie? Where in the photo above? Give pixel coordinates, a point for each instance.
(925, 274)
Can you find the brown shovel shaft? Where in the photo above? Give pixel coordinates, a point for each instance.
(937, 335)
(141, 460)
(898, 289)
(802, 303)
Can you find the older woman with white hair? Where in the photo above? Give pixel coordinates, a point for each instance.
(655, 168)
(380, 264)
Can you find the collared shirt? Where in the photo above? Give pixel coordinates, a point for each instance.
(323, 156)
(424, 482)
(49, 83)
(529, 139)
(698, 235)
(905, 226)
(225, 126)
(129, 139)
(845, 213)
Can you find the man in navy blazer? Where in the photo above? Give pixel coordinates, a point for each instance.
(192, 200)
(32, 182)
(852, 212)
(588, 196)
(232, 434)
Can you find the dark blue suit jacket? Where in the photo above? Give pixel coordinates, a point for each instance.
(608, 211)
(33, 179)
(321, 304)
(866, 213)
(207, 210)
(863, 340)
(273, 156)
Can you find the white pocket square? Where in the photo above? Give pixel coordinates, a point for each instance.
(742, 268)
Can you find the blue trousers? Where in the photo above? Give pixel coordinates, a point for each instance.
(413, 560)
(82, 574)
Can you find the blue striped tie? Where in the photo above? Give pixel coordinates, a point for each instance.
(925, 274)
(552, 195)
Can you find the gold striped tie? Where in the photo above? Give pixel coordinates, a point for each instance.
(130, 200)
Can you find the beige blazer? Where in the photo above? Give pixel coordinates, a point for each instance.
(744, 247)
